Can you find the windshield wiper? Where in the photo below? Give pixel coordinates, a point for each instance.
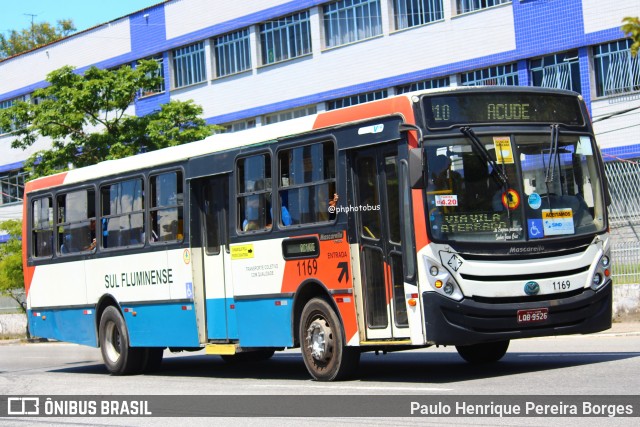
(553, 152)
(480, 148)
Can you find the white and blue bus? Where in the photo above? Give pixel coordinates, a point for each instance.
(464, 216)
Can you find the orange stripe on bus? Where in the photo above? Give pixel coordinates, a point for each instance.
(38, 184)
(419, 219)
(384, 107)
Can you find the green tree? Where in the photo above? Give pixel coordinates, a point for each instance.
(85, 117)
(11, 279)
(36, 35)
(631, 27)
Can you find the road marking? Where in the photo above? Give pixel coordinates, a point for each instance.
(579, 354)
(385, 389)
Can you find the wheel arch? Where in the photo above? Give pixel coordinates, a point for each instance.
(309, 289)
(105, 301)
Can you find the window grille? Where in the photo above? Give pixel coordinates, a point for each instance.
(285, 38)
(348, 21)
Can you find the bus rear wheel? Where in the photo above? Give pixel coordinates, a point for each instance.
(324, 352)
(488, 352)
(118, 355)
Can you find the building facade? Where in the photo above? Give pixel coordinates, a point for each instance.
(251, 64)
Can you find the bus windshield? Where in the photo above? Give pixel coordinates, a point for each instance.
(513, 187)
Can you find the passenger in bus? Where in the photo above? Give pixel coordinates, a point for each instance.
(105, 231)
(285, 216)
(92, 236)
(251, 214)
(442, 177)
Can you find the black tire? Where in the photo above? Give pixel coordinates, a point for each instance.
(324, 351)
(118, 355)
(248, 357)
(152, 359)
(488, 352)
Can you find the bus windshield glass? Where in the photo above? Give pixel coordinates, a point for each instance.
(513, 187)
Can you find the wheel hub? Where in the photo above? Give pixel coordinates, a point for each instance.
(318, 339)
(112, 342)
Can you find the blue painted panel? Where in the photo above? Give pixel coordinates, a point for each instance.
(11, 166)
(148, 31)
(69, 325)
(624, 152)
(221, 323)
(262, 323)
(162, 325)
(544, 27)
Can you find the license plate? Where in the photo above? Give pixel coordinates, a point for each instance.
(533, 315)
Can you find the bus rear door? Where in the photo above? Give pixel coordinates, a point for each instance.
(211, 196)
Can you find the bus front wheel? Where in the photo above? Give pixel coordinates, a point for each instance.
(487, 352)
(324, 352)
(118, 355)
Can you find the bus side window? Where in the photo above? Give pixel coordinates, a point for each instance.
(122, 211)
(166, 210)
(307, 183)
(76, 222)
(42, 227)
(254, 204)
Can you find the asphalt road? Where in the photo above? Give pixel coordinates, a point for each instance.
(602, 364)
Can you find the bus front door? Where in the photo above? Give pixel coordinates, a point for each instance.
(212, 194)
(376, 192)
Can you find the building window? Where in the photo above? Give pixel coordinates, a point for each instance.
(166, 210)
(289, 115)
(254, 193)
(285, 38)
(559, 71)
(189, 65)
(159, 73)
(76, 222)
(8, 104)
(356, 99)
(123, 214)
(423, 85)
(12, 186)
(42, 227)
(233, 53)
(500, 75)
(465, 6)
(349, 21)
(411, 13)
(307, 183)
(237, 126)
(616, 70)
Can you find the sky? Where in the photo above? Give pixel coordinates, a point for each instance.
(15, 14)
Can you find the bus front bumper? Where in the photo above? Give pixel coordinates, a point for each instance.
(469, 322)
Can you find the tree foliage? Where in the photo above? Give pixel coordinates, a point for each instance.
(11, 279)
(38, 34)
(631, 27)
(89, 118)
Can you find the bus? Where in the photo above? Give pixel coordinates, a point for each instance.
(465, 216)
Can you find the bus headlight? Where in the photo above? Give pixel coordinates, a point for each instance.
(602, 273)
(440, 279)
(597, 280)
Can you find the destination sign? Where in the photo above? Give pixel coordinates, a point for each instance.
(304, 247)
(468, 108)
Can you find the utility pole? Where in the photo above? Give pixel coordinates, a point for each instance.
(33, 35)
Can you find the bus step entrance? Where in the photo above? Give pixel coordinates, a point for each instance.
(220, 349)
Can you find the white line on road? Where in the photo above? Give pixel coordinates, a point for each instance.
(385, 389)
(579, 354)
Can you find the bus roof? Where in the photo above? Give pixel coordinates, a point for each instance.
(263, 134)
